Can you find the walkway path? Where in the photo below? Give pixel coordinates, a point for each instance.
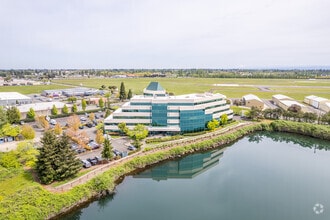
(167, 145)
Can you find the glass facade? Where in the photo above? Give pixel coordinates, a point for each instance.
(159, 115)
(193, 120)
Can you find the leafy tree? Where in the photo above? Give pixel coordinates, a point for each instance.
(99, 137)
(107, 150)
(129, 95)
(213, 124)
(54, 110)
(10, 130)
(3, 117)
(294, 108)
(83, 104)
(28, 132)
(13, 115)
(107, 113)
(91, 116)
(73, 122)
(224, 119)
(31, 113)
(122, 92)
(27, 153)
(9, 160)
(138, 133)
(72, 99)
(102, 87)
(65, 109)
(41, 121)
(101, 103)
(58, 129)
(254, 113)
(74, 108)
(123, 128)
(107, 95)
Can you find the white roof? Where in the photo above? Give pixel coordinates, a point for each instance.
(251, 97)
(291, 102)
(187, 97)
(316, 98)
(41, 106)
(12, 96)
(281, 97)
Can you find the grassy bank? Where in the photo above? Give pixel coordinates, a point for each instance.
(34, 202)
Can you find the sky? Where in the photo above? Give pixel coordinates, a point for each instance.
(164, 34)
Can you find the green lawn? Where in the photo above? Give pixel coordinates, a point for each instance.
(31, 89)
(199, 85)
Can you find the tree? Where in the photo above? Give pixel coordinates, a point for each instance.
(129, 95)
(27, 153)
(41, 121)
(54, 110)
(83, 104)
(72, 99)
(9, 160)
(107, 113)
(122, 92)
(254, 113)
(91, 116)
(107, 95)
(65, 109)
(45, 160)
(56, 160)
(10, 130)
(107, 150)
(123, 128)
(13, 115)
(74, 108)
(3, 117)
(31, 113)
(138, 133)
(58, 129)
(73, 122)
(99, 137)
(101, 103)
(224, 119)
(28, 132)
(294, 108)
(213, 124)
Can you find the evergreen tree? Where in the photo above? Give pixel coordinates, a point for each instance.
(31, 113)
(74, 108)
(65, 110)
(107, 150)
(54, 110)
(129, 95)
(13, 115)
(122, 92)
(66, 164)
(83, 104)
(46, 157)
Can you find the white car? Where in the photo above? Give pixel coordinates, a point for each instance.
(53, 122)
(83, 119)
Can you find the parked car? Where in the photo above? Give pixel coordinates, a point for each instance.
(131, 147)
(52, 122)
(81, 150)
(97, 117)
(89, 124)
(83, 119)
(99, 159)
(86, 163)
(93, 161)
(93, 145)
(116, 152)
(81, 126)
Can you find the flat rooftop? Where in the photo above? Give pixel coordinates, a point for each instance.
(12, 96)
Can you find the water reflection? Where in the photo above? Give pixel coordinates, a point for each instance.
(291, 138)
(187, 167)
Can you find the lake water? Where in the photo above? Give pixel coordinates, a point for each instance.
(260, 177)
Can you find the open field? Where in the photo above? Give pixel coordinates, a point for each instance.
(31, 89)
(264, 88)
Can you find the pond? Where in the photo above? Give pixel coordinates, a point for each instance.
(264, 176)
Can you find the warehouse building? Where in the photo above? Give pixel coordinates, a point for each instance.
(251, 100)
(13, 98)
(278, 98)
(318, 102)
(161, 113)
(79, 91)
(41, 108)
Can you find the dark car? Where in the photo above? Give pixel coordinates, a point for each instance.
(131, 147)
(97, 117)
(99, 159)
(93, 161)
(86, 163)
(89, 124)
(93, 145)
(116, 152)
(80, 150)
(94, 122)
